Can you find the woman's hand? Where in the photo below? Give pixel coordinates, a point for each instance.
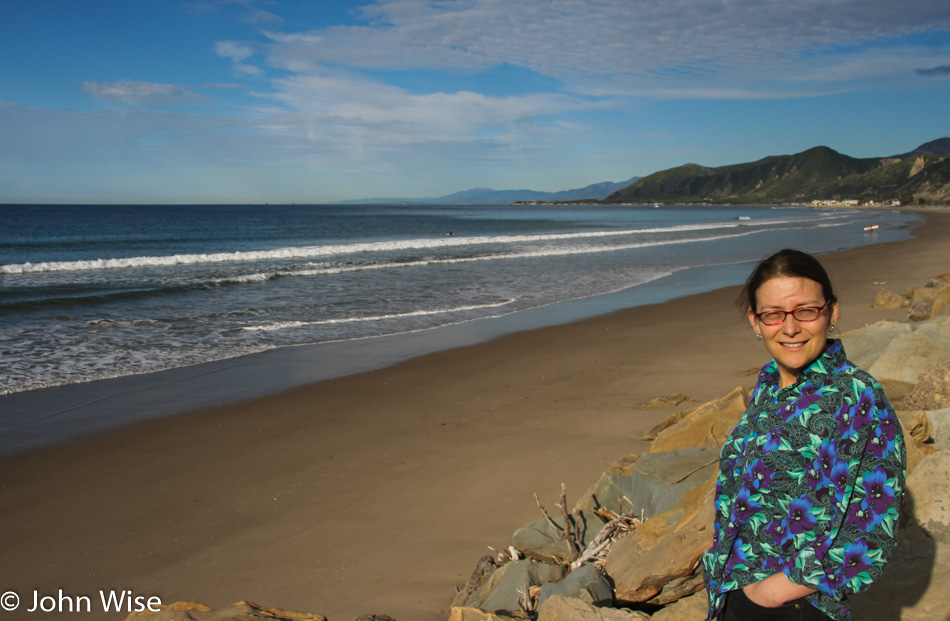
(775, 590)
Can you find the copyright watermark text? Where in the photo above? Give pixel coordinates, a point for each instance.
(113, 600)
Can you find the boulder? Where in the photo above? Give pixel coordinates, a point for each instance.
(665, 550)
(539, 540)
(240, 611)
(940, 428)
(501, 590)
(463, 613)
(708, 425)
(558, 608)
(482, 572)
(865, 345)
(666, 423)
(586, 583)
(607, 493)
(941, 305)
(910, 354)
(889, 299)
(692, 608)
(659, 480)
(940, 282)
(921, 302)
(651, 484)
(916, 425)
(929, 486)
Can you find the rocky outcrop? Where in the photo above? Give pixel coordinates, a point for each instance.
(865, 345)
(569, 609)
(929, 485)
(690, 608)
(655, 568)
(651, 569)
(906, 356)
(931, 300)
(707, 425)
(464, 613)
(659, 562)
(539, 539)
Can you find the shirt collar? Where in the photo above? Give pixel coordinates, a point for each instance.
(830, 359)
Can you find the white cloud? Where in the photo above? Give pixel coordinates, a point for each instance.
(630, 41)
(364, 101)
(235, 51)
(138, 92)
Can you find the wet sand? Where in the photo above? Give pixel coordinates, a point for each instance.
(378, 492)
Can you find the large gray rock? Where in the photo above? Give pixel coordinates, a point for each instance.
(659, 480)
(500, 591)
(558, 608)
(658, 562)
(607, 493)
(929, 486)
(921, 303)
(911, 354)
(539, 539)
(585, 583)
(653, 483)
(865, 345)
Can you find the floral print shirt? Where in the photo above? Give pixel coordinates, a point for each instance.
(810, 483)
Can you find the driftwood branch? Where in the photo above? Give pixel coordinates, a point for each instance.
(571, 531)
(612, 530)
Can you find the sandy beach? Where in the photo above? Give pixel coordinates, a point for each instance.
(378, 492)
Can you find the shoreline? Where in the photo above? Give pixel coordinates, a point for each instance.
(378, 492)
(71, 412)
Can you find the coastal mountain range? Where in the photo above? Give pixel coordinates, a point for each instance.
(820, 173)
(487, 196)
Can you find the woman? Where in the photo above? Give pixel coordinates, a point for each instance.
(811, 479)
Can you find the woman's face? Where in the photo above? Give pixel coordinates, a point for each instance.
(794, 344)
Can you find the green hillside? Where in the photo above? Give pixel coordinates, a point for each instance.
(819, 173)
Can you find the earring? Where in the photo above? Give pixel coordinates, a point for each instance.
(758, 335)
(831, 328)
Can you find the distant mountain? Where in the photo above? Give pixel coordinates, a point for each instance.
(487, 196)
(939, 147)
(816, 174)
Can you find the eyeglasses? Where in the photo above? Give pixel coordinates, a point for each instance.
(777, 317)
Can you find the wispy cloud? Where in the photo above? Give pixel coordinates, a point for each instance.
(138, 92)
(627, 41)
(935, 71)
(237, 52)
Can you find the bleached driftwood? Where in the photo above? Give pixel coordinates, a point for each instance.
(571, 531)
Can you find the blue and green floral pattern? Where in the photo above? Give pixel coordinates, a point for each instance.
(810, 484)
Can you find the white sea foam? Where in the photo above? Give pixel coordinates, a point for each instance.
(526, 254)
(310, 252)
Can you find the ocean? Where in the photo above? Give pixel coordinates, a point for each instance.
(91, 292)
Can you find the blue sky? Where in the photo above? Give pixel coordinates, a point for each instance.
(250, 101)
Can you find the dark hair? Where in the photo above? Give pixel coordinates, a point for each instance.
(789, 263)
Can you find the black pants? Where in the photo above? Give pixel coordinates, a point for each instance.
(741, 608)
